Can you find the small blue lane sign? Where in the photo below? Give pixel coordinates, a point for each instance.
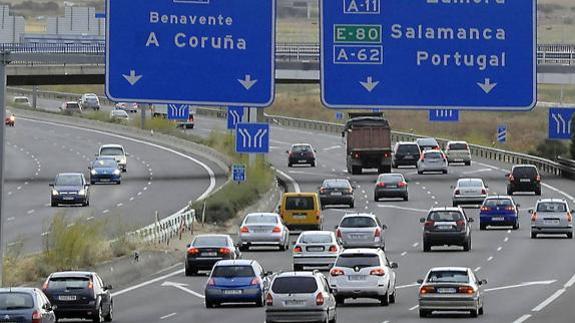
(239, 173)
(338, 116)
(502, 133)
(561, 123)
(235, 116)
(444, 115)
(252, 138)
(178, 111)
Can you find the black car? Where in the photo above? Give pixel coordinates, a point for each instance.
(70, 188)
(79, 295)
(25, 305)
(301, 154)
(207, 249)
(405, 154)
(336, 192)
(446, 226)
(524, 178)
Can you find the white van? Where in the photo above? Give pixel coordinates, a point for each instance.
(116, 151)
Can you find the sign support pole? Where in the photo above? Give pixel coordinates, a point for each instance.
(4, 60)
(253, 118)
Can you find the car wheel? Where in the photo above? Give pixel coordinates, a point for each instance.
(424, 313)
(467, 163)
(260, 301)
(109, 316)
(516, 225)
(297, 267)
(119, 182)
(509, 191)
(210, 304)
(426, 246)
(467, 245)
(474, 313)
(482, 227)
(419, 172)
(312, 164)
(92, 182)
(570, 235)
(191, 271)
(244, 247)
(339, 300)
(393, 297)
(53, 204)
(289, 164)
(406, 198)
(445, 171)
(533, 235)
(283, 246)
(98, 317)
(376, 198)
(351, 205)
(481, 311)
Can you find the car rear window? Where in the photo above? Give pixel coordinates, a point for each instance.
(72, 106)
(476, 183)
(336, 184)
(408, 149)
(315, 238)
(233, 271)
(458, 146)
(68, 180)
(210, 242)
(111, 151)
(360, 260)
(294, 285)
(271, 219)
(390, 178)
(16, 301)
(299, 203)
(68, 282)
(498, 202)
(525, 171)
(433, 155)
(358, 222)
(551, 207)
(448, 276)
(441, 216)
(300, 149)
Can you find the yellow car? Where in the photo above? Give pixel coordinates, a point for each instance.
(301, 211)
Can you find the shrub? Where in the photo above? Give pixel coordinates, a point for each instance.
(549, 149)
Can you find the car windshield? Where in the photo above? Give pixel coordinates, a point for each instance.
(445, 216)
(210, 242)
(408, 149)
(498, 202)
(551, 207)
(105, 163)
(336, 184)
(390, 178)
(21, 100)
(233, 271)
(448, 276)
(294, 285)
(433, 155)
(299, 203)
(472, 183)
(315, 238)
(359, 260)
(68, 282)
(358, 222)
(524, 171)
(261, 218)
(301, 149)
(111, 151)
(68, 180)
(72, 106)
(458, 146)
(15, 301)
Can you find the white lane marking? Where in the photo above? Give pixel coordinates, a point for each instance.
(509, 231)
(25, 183)
(149, 183)
(168, 316)
(148, 282)
(45, 233)
(499, 249)
(363, 191)
(415, 245)
(182, 287)
(549, 300)
(490, 258)
(131, 199)
(296, 186)
(559, 191)
(436, 203)
(31, 211)
(332, 148)
(10, 219)
(433, 197)
(414, 308)
(523, 318)
(207, 168)
(145, 188)
(526, 284)
(139, 193)
(570, 282)
(404, 253)
(90, 218)
(416, 183)
(407, 286)
(506, 239)
(9, 193)
(429, 192)
(423, 188)
(119, 205)
(477, 269)
(401, 208)
(18, 188)
(367, 207)
(477, 171)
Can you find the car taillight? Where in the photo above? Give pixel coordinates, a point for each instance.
(401, 184)
(457, 192)
(36, 317)
(466, 290)
(244, 230)
(377, 272)
(443, 156)
(485, 209)
(538, 178)
(483, 191)
(90, 285)
(426, 290)
(429, 224)
(377, 232)
(269, 300)
(338, 233)
(436, 148)
(356, 155)
(322, 190)
(509, 208)
(225, 251)
(385, 155)
(297, 249)
(381, 184)
(45, 285)
(336, 272)
(460, 224)
(569, 217)
(534, 217)
(193, 251)
(511, 178)
(255, 281)
(319, 300)
(277, 230)
(211, 282)
(333, 249)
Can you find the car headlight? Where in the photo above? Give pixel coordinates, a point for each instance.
(123, 160)
(93, 172)
(82, 192)
(54, 192)
(117, 172)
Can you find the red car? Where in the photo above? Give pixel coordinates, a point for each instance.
(10, 119)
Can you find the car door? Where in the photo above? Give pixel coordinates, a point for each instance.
(331, 303)
(475, 282)
(48, 315)
(105, 297)
(391, 272)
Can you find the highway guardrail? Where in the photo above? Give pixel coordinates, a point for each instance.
(162, 231)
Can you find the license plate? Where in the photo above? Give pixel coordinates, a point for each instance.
(233, 291)
(357, 277)
(299, 216)
(67, 297)
(525, 180)
(408, 157)
(336, 193)
(68, 198)
(356, 236)
(551, 222)
(498, 218)
(392, 186)
(294, 303)
(444, 227)
(302, 161)
(315, 249)
(458, 159)
(209, 254)
(104, 179)
(446, 290)
(260, 230)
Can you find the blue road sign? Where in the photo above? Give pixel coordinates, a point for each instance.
(502, 133)
(253, 138)
(206, 52)
(235, 116)
(444, 115)
(178, 111)
(561, 123)
(239, 173)
(338, 116)
(428, 54)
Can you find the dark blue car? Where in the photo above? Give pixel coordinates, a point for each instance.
(236, 281)
(105, 170)
(499, 211)
(25, 305)
(70, 188)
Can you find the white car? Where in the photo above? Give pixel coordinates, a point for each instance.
(116, 151)
(120, 115)
(363, 273)
(471, 191)
(432, 161)
(263, 229)
(315, 249)
(22, 101)
(90, 101)
(458, 152)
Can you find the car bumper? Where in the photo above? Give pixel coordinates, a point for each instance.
(367, 292)
(459, 159)
(76, 312)
(551, 230)
(391, 192)
(203, 263)
(75, 199)
(298, 315)
(498, 220)
(219, 295)
(315, 261)
(268, 239)
(448, 303)
(105, 178)
(301, 160)
(341, 199)
(469, 199)
(445, 238)
(525, 187)
(405, 162)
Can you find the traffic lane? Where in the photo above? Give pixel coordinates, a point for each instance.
(558, 307)
(20, 168)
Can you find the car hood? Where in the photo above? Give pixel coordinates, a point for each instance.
(104, 169)
(232, 282)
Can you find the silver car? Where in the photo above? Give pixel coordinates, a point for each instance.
(300, 297)
(551, 216)
(361, 230)
(458, 152)
(363, 273)
(263, 229)
(451, 289)
(315, 249)
(470, 191)
(432, 161)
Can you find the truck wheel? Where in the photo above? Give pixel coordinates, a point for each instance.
(355, 170)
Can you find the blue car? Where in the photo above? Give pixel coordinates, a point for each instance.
(105, 170)
(236, 281)
(70, 188)
(26, 305)
(499, 211)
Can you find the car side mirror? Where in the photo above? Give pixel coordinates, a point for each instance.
(572, 211)
(127, 155)
(51, 184)
(87, 185)
(293, 243)
(268, 273)
(531, 211)
(188, 245)
(393, 265)
(108, 287)
(518, 205)
(384, 226)
(335, 227)
(471, 220)
(483, 282)
(407, 180)
(343, 134)
(89, 167)
(287, 151)
(420, 281)
(422, 220)
(452, 187)
(508, 174)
